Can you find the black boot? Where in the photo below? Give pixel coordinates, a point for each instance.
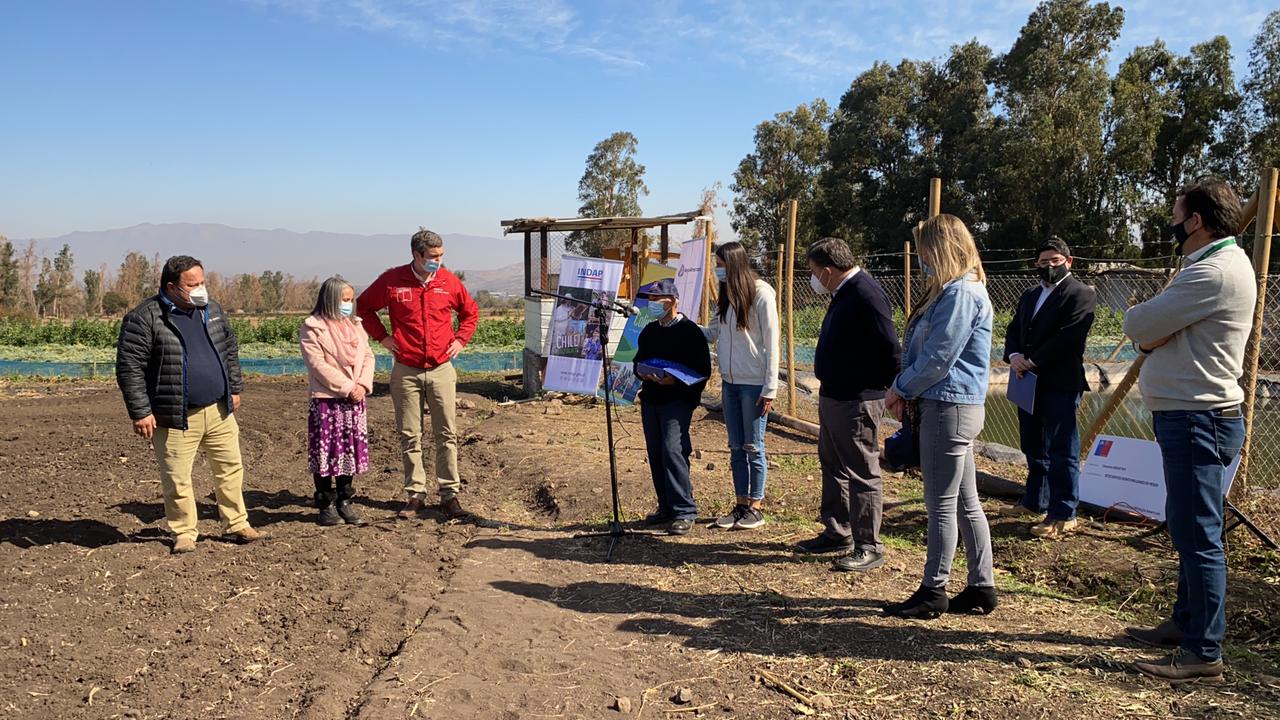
(924, 604)
(345, 509)
(973, 599)
(328, 511)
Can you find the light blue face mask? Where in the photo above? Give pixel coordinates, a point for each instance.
(926, 267)
(431, 266)
(347, 307)
(721, 275)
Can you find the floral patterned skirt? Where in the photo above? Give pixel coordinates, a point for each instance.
(337, 438)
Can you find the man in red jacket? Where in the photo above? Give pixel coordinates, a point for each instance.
(421, 299)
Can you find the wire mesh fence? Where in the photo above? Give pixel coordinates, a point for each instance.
(1108, 355)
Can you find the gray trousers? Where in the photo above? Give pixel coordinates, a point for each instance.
(947, 431)
(849, 451)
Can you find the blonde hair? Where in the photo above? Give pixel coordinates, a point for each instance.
(947, 243)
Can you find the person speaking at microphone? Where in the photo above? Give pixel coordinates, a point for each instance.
(667, 405)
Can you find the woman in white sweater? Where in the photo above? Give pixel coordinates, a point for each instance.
(745, 331)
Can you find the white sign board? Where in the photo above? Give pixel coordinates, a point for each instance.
(689, 277)
(574, 352)
(1128, 474)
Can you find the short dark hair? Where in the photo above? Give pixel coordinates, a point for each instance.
(174, 267)
(832, 252)
(424, 239)
(1056, 244)
(1216, 204)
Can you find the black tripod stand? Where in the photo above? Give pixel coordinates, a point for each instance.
(601, 311)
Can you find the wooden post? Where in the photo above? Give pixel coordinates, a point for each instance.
(791, 314)
(665, 244)
(1266, 207)
(1131, 377)
(935, 197)
(782, 248)
(544, 262)
(528, 263)
(906, 280)
(709, 283)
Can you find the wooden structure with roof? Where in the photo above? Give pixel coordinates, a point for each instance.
(537, 269)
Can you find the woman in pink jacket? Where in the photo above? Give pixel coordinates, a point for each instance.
(340, 365)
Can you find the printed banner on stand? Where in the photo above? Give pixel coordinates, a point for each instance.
(574, 355)
(689, 277)
(1128, 474)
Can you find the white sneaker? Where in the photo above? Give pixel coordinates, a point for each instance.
(726, 522)
(751, 519)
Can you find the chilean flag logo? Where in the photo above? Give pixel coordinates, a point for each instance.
(1104, 448)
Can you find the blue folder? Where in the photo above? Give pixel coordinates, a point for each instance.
(1022, 390)
(658, 368)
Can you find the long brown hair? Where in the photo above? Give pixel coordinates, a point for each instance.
(739, 287)
(951, 252)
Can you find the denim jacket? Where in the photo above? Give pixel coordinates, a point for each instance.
(947, 351)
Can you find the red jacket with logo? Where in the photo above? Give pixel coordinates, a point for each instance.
(421, 315)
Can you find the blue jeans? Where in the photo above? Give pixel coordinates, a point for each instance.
(1051, 442)
(745, 426)
(666, 436)
(1197, 447)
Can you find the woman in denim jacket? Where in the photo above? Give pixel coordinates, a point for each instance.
(946, 358)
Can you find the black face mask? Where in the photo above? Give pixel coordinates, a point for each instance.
(1052, 274)
(1180, 235)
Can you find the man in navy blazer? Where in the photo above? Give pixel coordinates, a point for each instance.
(1047, 337)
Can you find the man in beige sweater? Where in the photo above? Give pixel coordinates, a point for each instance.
(1194, 334)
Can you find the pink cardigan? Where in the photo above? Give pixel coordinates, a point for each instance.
(319, 352)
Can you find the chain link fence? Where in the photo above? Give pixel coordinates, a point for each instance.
(1108, 353)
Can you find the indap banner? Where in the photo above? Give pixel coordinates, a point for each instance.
(575, 357)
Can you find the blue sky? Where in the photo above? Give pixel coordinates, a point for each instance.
(379, 115)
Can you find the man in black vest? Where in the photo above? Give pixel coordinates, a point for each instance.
(1047, 337)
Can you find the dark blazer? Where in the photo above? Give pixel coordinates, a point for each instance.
(1054, 338)
(151, 362)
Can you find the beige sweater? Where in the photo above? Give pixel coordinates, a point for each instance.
(1208, 309)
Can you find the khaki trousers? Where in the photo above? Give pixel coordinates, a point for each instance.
(435, 389)
(215, 431)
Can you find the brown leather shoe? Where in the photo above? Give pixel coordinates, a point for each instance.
(183, 544)
(246, 536)
(1054, 529)
(1165, 635)
(411, 508)
(452, 509)
(1182, 667)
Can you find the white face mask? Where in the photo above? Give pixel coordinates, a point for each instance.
(198, 297)
(347, 307)
(817, 286)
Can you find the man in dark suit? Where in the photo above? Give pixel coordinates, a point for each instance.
(1047, 337)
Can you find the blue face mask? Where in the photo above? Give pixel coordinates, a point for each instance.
(926, 267)
(347, 307)
(431, 266)
(721, 275)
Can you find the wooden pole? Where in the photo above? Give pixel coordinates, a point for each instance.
(935, 197)
(906, 279)
(528, 263)
(1266, 204)
(665, 244)
(1126, 383)
(781, 275)
(709, 284)
(791, 301)
(544, 267)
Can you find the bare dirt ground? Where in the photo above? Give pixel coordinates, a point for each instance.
(514, 617)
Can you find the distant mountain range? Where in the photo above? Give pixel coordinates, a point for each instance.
(494, 264)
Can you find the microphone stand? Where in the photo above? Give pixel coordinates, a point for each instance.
(602, 311)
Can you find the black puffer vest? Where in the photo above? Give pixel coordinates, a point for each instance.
(151, 361)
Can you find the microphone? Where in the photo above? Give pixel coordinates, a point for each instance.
(627, 308)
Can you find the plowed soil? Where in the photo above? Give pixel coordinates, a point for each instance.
(512, 616)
